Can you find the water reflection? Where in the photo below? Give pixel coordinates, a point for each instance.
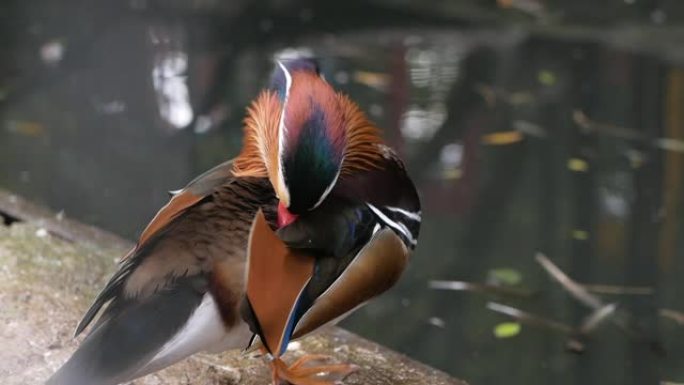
(520, 143)
(169, 78)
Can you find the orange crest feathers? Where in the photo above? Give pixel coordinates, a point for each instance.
(363, 139)
(259, 155)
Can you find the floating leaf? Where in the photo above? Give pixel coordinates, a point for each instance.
(452, 173)
(372, 79)
(578, 165)
(580, 235)
(546, 77)
(27, 128)
(507, 330)
(502, 137)
(506, 276)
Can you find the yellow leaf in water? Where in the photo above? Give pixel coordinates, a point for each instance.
(27, 128)
(506, 276)
(452, 173)
(502, 137)
(578, 165)
(372, 79)
(507, 330)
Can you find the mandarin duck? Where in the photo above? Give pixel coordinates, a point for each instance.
(314, 217)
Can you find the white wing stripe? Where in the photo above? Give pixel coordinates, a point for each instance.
(329, 188)
(408, 214)
(395, 225)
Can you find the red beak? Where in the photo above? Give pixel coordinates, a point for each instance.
(285, 217)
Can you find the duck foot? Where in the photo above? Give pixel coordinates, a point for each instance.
(299, 373)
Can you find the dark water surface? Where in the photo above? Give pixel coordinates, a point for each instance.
(521, 141)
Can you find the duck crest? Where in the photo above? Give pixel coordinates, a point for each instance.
(259, 155)
(299, 123)
(280, 78)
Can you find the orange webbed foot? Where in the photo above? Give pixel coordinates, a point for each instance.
(299, 373)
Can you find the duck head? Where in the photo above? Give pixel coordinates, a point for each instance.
(304, 136)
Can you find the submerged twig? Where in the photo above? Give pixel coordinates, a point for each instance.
(480, 288)
(492, 94)
(575, 289)
(674, 315)
(624, 320)
(597, 318)
(618, 290)
(588, 125)
(574, 342)
(530, 318)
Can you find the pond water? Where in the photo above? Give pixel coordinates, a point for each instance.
(520, 141)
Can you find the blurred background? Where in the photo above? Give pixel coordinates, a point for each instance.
(530, 126)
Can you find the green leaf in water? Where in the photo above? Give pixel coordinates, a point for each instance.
(546, 77)
(505, 276)
(507, 330)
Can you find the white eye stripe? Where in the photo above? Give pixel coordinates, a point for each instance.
(288, 78)
(400, 227)
(282, 130)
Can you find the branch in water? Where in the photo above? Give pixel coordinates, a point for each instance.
(623, 319)
(618, 290)
(479, 288)
(530, 318)
(596, 318)
(575, 289)
(674, 315)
